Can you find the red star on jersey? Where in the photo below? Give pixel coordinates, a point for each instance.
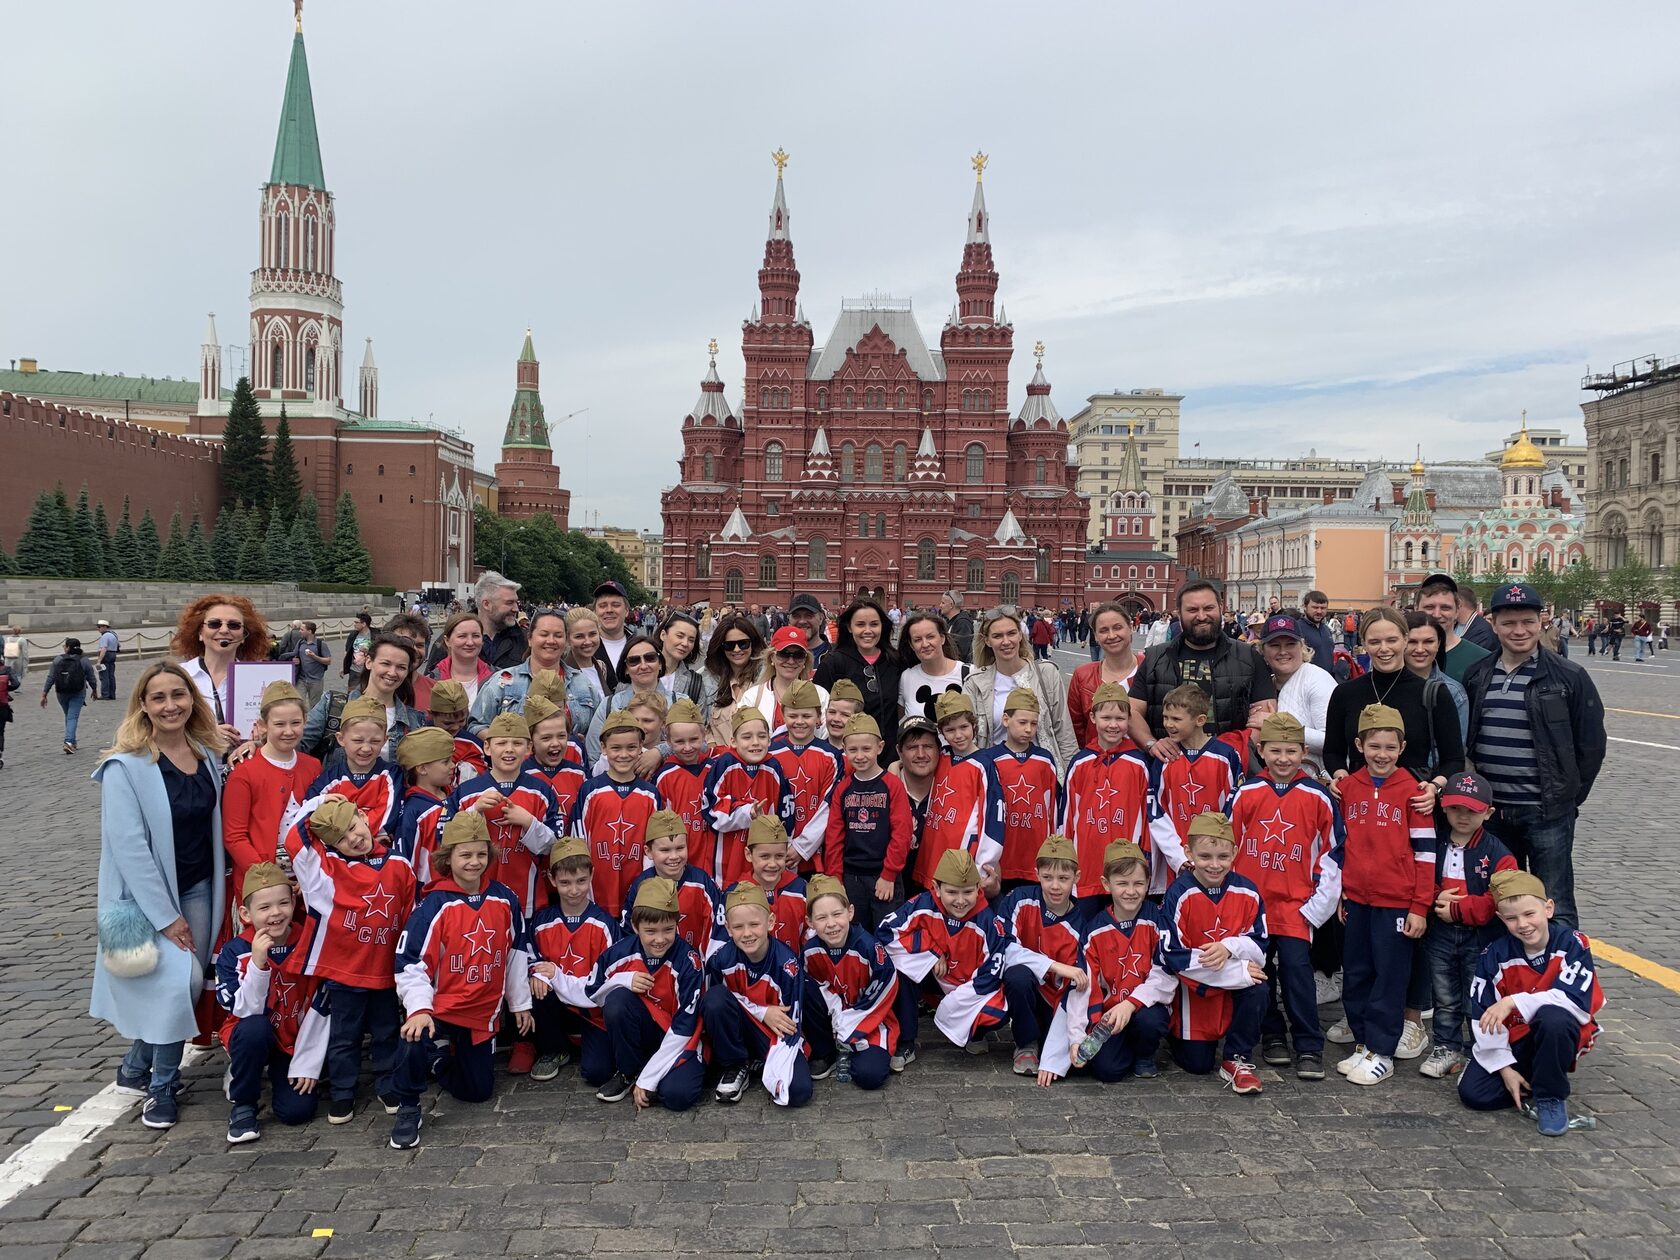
(1276, 829)
(1105, 793)
(620, 827)
(481, 937)
(801, 780)
(1133, 967)
(1021, 794)
(378, 904)
(1192, 797)
(280, 992)
(944, 795)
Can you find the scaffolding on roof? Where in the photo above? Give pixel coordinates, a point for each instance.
(1645, 370)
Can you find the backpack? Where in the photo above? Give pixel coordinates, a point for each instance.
(1432, 688)
(67, 677)
(336, 700)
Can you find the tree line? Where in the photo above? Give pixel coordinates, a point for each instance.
(551, 565)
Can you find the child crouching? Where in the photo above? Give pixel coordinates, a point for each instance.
(752, 1004)
(850, 990)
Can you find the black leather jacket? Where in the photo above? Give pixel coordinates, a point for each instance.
(1566, 718)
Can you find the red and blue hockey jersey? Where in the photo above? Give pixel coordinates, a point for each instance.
(680, 788)
(1467, 869)
(613, 817)
(1105, 798)
(673, 1003)
(1563, 976)
(572, 943)
(1122, 963)
(1038, 936)
(1288, 836)
(1388, 856)
(565, 780)
(514, 851)
(1202, 779)
(1025, 795)
(700, 907)
(858, 983)
(470, 759)
(787, 912)
(357, 907)
(293, 1002)
(732, 788)
(777, 979)
(377, 793)
(958, 815)
(417, 835)
(812, 772)
(919, 934)
(462, 954)
(1232, 915)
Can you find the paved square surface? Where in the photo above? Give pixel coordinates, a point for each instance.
(956, 1157)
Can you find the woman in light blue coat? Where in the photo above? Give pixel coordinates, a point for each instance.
(162, 879)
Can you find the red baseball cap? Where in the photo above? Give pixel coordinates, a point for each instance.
(789, 637)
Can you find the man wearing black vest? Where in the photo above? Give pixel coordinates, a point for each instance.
(1230, 671)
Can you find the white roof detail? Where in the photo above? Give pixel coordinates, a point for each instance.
(1009, 531)
(735, 529)
(925, 450)
(856, 319)
(819, 444)
(210, 331)
(367, 355)
(712, 404)
(779, 213)
(979, 222)
(1038, 405)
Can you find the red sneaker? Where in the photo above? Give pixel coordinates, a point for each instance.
(1239, 1074)
(522, 1058)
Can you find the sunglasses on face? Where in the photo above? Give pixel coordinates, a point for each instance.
(870, 678)
(216, 623)
(643, 659)
(791, 654)
(737, 645)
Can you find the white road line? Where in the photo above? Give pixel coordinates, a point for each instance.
(1617, 739)
(31, 1165)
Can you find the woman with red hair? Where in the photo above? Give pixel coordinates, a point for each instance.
(213, 632)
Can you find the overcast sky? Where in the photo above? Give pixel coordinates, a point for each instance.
(1329, 230)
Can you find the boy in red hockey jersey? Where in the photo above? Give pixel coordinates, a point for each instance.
(946, 945)
(768, 860)
(566, 940)
(1462, 921)
(1126, 999)
(463, 953)
(1534, 1003)
(1025, 787)
(1106, 795)
(519, 809)
(851, 987)
(447, 710)
(869, 825)
(812, 767)
(648, 988)
(681, 780)
(845, 702)
(264, 793)
(612, 812)
(1204, 777)
(1215, 945)
(358, 893)
(755, 988)
(700, 904)
(426, 757)
(364, 777)
(741, 783)
(551, 750)
(276, 1027)
(960, 802)
(1388, 886)
(1041, 960)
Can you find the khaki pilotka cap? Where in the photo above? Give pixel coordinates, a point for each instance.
(279, 692)
(463, 828)
(801, 695)
(1381, 717)
(538, 709)
(548, 684)
(657, 893)
(507, 726)
(1110, 693)
(570, 847)
(1021, 698)
(746, 893)
(742, 716)
(684, 710)
(1123, 851)
(424, 745)
(1281, 728)
(361, 709)
(619, 720)
(845, 689)
(262, 875)
(766, 829)
(661, 824)
(952, 704)
(861, 724)
(1211, 823)
(448, 697)
(955, 868)
(332, 819)
(1507, 884)
(824, 886)
(1057, 849)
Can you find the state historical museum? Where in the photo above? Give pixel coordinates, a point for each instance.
(872, 463)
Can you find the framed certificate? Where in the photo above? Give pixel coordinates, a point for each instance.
(245, 683)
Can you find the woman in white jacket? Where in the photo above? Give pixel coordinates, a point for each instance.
(1002, 663)
(1303, 688)
(788, 662)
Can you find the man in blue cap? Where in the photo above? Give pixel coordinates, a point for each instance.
(1537, 735)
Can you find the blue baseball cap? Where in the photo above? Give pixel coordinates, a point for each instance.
(1515, 595)
(1280, 626)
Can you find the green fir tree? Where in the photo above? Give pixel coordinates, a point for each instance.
(44, 548)
(302, 548)
(172, 563)
(84, 546)
(285, 487)
(102, 538)
(253, 556)
(201, 564)
(149, 546)
(225, 544)
(309, 514)
(349, 561)
(277, 549)
(8, 566)
(244, 467)
(125, 548)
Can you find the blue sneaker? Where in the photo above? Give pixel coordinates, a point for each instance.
(243, 1126)
(135, 1086)
(405, 1131)
(1146, 1069)
(161, 1110)
(1551, 1117)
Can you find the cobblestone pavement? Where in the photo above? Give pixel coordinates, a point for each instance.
(956, 1157)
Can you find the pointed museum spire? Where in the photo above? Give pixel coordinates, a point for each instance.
(297, 150)
(778, 279)
(977, 281)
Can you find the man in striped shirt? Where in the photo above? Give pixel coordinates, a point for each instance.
(1537, 736)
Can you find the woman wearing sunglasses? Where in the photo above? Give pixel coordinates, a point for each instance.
(639, 670)
(789, 662)
(213, 632)
(862, 655)
(734, 659)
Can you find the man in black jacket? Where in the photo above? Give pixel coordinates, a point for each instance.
(504, 643)
(1537, 735)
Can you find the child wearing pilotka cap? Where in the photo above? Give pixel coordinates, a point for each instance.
(426, 757)
(447, 709)
(742, 783)
(612, 811)
(551, 749)
(699, 903)
(1112, 1026)
(961, 800)
(768, 853)
(1462, 921)
(1026, 789)
(566, 939)
(812, 766)
(1041, 960)
(364, 776)
(681, 780)
(1106, 796)
(869, 825)
(845, 701)
(464, 952)
(755, 988)
(851, 987)
(1533, 1005)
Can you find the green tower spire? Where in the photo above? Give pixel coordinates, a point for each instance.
(526, 425)
(297, 150)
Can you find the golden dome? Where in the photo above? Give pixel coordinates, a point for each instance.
(1523, 453)
(1418, 469)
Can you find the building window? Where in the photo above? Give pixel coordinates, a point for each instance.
(1149, 572)
(901, 462)
(1656, 467)
(880, 525)
(703, 561)
(822, 400)
(817, 564)
(349, 469)
(773, 462)
(767, 573)
(872, 463)
(927, 400)
(1114, 571)
(1009, 590)
(974, 464)
(382, 470)
(276, 366)
(848, 397)
(772, 507)
(848, 454)
(1425, 553)
(706, 468)
(924, 560)
(973, 510)
(309, 243)
(1038, 470)
(863, 524)
(976, 577)
(1408, 553)
(411, 470)
(1041, 570)
(902, 400)
(309, 369)
(1096, 572)
(283, 225)
(732, 584)
(1131, 571)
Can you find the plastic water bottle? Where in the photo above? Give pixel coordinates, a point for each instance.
(843, 1065)
(1093, 1041)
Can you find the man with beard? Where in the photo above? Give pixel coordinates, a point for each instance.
(1231, 672)
(806, 613)
(498, 609)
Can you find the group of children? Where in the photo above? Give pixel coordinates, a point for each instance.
(787, 909)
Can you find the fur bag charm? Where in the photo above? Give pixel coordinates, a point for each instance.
(127, 940)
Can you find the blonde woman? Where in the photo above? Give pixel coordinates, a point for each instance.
(788, 662)
(161, 880)
(1002, 663)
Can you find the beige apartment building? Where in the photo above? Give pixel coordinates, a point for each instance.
(643, 552)
(1098, 434)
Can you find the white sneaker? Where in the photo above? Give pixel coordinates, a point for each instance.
(1375, 1069)
(1353, 1060)
(1339, 1033)
(1413, 1041)
(1329, 987)
(1442, 1062)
